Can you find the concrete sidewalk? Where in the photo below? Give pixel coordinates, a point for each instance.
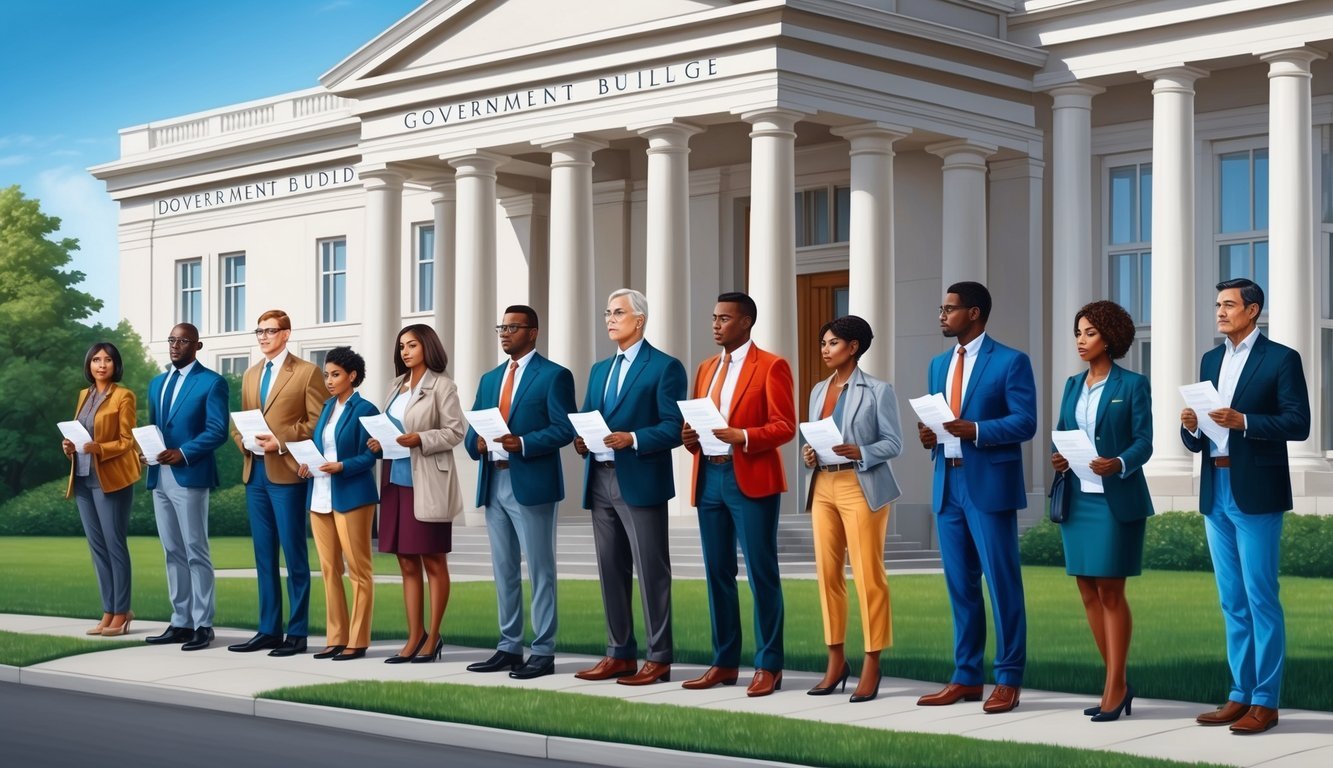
(218, 679)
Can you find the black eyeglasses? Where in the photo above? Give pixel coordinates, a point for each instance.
(176, 341)
(949, 309)
(262, 332)
(510, 328)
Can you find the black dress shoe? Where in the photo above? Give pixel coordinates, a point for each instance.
(199, 639)
(170, 636)
(499, 662)
(292, 646)
(350, 654)
(537, 666)
(260, 642)
(330, 652)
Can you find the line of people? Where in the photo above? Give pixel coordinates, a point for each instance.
(737, 480)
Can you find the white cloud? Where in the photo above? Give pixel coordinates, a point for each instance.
(13, 160)
(89, 214)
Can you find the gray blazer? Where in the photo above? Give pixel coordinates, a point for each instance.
(870, 420)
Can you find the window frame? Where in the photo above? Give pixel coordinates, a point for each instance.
(190, 296)
(229, 292)
(327, 314)
(420, 259)
(1139, 357)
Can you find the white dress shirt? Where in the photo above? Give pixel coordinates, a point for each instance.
(277, 361)
(969, 363)
(498, 454)
(729, 385)
(625, 364)
(321, 498)
(164, 408)
(1233, 362)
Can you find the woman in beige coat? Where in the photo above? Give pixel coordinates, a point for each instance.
(419, 495)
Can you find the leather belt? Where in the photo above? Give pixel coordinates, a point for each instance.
(607, 464)
(953, 463)
(1222, 462)
(835, 467)
(718, 459)
(500, 464)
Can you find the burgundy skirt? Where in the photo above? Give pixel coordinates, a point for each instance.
(401, 533)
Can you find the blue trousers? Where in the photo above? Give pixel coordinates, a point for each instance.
(516, 530)
(278, 518)
(1245, 562)
(972, 544)
(726, 515)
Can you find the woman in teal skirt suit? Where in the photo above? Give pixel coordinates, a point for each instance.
(1103, 536)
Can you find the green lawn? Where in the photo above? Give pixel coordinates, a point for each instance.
(1178, 652)
(18, 649)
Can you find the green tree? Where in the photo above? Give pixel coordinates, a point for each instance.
(43, 338)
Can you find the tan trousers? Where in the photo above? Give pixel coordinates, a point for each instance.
(844, 525)
(339, 537)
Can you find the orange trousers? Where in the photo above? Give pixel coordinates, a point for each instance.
(846, 527)
(345, 537)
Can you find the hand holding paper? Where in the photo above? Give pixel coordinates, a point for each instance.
(822, 435)
(491, 426)
(702, 414)
(306, 453)
(1077, 449)
(382, 429)
(934, 412)
(150, 442)
(592, 428)
(1203, 398)
(74, 432)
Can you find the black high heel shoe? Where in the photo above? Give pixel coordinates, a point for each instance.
(405, 659)
(1114, 714)
(433, 655)
(841, 682)
(857, 698)
(1090, 711)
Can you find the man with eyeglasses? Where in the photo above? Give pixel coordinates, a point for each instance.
(291, 394)
(977, 492)
(188, 404)
(627, 483)
(520, 484)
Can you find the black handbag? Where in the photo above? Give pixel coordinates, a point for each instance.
(1062, 495)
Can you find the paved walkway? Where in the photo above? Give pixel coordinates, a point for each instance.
(217, 679)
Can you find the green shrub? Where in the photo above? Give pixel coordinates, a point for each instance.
(1175, 541)
(1042, 545)
(1307, 546)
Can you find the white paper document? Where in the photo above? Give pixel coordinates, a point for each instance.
(704, 417)
(1203, 397)
(306, 453)
(250, 424)
(74, 432)
(822, 435)
(1074, 445)
(382, 429)
(491, 426)
(934, 411)
(150, 442)
(592, 428)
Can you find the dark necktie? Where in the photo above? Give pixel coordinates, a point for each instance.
(169, 393)
(612, 387)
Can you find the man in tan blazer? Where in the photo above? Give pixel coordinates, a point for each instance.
(290, 392)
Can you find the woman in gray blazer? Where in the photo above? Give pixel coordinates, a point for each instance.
(849, 501)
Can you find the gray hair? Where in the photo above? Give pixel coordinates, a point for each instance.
(637, 301)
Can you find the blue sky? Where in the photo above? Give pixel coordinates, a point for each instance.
(77, 71)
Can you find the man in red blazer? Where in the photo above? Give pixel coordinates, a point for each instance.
(737, 491)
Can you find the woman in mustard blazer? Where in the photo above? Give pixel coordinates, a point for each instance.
(1103, 536)
(102, 474)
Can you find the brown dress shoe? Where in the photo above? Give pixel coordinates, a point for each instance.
(711, 677)
(651, 673)
(1257, 720)
(1228, 713)
(1003, 699)
(764, 683)
(608, 668)
(951, 694)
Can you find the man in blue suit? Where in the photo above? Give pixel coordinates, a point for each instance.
(520, 485)
(1244, 487)
(627, 483)
(978, 490)
(188, 404)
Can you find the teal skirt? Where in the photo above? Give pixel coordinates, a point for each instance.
(1096, 543)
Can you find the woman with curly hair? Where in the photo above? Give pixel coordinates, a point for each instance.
(1103, 536)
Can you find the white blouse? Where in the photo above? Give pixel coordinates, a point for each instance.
(321, 498)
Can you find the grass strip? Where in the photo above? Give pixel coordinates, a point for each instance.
(21, 649)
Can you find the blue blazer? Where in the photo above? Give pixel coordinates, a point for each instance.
(1001, 398)
(647, 407)
(1124, 430)
(1271, 392)
(196, 424)
(870, 420)
(538, 413)
(355, 485)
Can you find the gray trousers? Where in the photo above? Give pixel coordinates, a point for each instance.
(626, 536)
(106, 521)
(182, 524)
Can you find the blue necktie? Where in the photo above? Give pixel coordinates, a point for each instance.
(170, 392)
(612, 387)
(263, 384)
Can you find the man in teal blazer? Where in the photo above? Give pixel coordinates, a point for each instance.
(1244, 488)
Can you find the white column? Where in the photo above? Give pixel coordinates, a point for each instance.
(575, 311)
(381, 304)
(475, 350)
(444, 201)
(772, 272)
(1174, 304)
(1292, 310)
(668, 235)
(871, 254)
(1071, 223)
(963, 245)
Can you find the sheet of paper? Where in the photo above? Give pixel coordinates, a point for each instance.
(1203, 397)
(384, 431)
(150, 442)
(822, 435)
(249, 424)
(491, 426)
(934, 411)
(592, 428)
(74, 432)
(306, 453)
(702, 414)
(1077, 449)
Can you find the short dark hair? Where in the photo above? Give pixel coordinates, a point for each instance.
(436, 358)
(1250, 292)
(850, 328)
(349, 361)
(973, 295)
(1112, 322)
(117, 373)
(528, 312)
(743, 300)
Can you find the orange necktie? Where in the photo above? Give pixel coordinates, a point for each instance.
(716, 393)
(507, 392)
(956, 391)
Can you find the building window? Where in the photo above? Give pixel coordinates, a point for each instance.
(424, 274)
(823, 216)
(1128, 253)
(1241, 238)
(317, 356)
(190, 292)
(233, 365)
(233, 292)
(333, 280)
